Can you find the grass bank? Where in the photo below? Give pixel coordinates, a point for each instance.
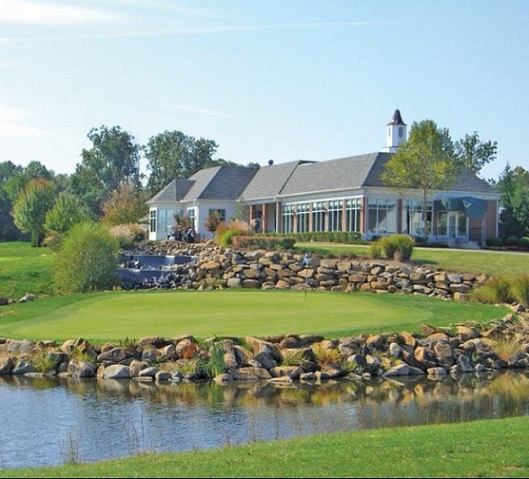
(493, 263)
(118, 315)
(493, 448)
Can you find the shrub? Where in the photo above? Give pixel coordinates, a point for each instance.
(376, 250)
(398, 247)
(128, 235)
(263, 242)
(512, 241)
(87, 260)
(524, 242)
(519, 289)
(495, 290)
(494, 243)
(226, 231)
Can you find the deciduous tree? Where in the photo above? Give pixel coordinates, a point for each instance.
(125, 205)
(425, 162)
(474, 154)
(31, 206)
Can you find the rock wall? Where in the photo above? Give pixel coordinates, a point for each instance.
(215, 267)
(464, 348)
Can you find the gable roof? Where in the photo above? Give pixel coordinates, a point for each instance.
(270, 181)
(216, 183)
(174, 191)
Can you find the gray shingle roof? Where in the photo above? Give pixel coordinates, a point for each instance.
(217, 183)
(269, 181)
(174, 191)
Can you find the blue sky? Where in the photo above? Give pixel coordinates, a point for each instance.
(265, 79)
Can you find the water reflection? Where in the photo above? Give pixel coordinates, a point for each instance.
(51, 421)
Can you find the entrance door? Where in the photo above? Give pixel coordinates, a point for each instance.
(452, 225)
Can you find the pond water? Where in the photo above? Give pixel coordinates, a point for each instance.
(52, 421)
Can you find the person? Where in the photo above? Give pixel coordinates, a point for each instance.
(306, 260)
(190, 235)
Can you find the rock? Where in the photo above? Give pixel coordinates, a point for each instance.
(437, 372)
(464, 365)
(395, 350)
(20, 347)
(293, 372)
(27, 297)
(81, 369)
(148, 372)
(154, 341)
(23, 367)
(115, 371)
(162, 376)
(115, 355)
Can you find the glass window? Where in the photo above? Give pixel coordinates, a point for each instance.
(302, 218)
(412, 217)
(220, 213)
(288, 218)
(152, 221)
(335, 215)
(382, 216)
(318, 216)
(353, 208)
(192, 214)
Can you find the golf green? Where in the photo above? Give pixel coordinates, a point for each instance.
(120, 315)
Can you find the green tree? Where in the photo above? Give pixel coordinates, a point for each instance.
(66, 212)
(125, 205)
(473, 153)
(112, 160)
(425, 162)
(514, 186)
(87, 260)
(172, 154)
(31, 206)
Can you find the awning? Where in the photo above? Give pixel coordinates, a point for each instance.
(473, 207)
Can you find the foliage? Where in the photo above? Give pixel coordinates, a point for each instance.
(87, 260)
(496, 290)
(66, 212)
(263, 242)
(112, 160)
(31, 207)
(344, 237)
(126, 204)
(42, 361)
(326, 356)
(514, 186)
(128, 235)
(212, 222)
(295, 357)
(226, 231)
(474, 154)
(519, 289)
(398, 247)
(172, 154)
(425, 162)
(214, 365)
(505, 347)
(242, 211)
(183, 222)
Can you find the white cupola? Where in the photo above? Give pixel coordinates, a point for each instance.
(396, 133)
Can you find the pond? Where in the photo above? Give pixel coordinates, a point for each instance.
(54, 421)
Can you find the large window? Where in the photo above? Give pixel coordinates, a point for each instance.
(288, 218)
(152, 221)
(353, 208)
(382, 216)
(413, 218)
(318, 216)
(302, 218)
(218, 212)
(335, 215)
(192, 215)
(166, 221)
(451, 224)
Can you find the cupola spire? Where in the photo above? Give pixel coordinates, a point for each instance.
(396, 133)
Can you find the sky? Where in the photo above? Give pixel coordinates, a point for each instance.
(264, 79)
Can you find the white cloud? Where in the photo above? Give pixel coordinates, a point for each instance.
(39, 13)
(13, 124)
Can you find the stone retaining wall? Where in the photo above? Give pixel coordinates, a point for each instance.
(215, 267)
(464, 348)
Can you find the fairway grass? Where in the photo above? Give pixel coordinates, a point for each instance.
(494, 448)
(119, 315)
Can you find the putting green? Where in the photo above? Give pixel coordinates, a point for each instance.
(119, 315)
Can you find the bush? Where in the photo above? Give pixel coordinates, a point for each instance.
(398, 247)
(519, 289)
(226, 231)
(87, 260)
(263, 242)
(128, 235)
(512, 241)
(524, 243)
(494, 243)
(495, 290)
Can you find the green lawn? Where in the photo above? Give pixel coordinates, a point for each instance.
(494, 448)
(467, 261)
(117, 315)
(24, 269)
